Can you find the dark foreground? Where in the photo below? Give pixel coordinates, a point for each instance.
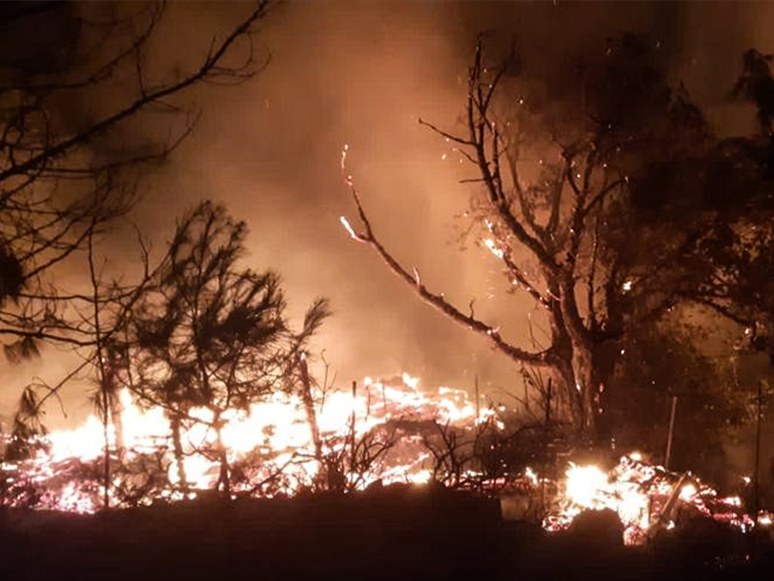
(392, 534)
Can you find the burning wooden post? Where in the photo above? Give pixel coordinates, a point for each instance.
(668, 453)
(756, 469)
(665, 516)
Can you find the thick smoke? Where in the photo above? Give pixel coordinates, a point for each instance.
(363, 73)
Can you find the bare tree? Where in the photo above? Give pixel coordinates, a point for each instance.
(560, 233)
(64, 182)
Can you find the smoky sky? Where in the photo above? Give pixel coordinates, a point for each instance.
(362, 74)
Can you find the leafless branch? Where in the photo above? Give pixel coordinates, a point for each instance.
(443, 133)
(438, 301)
(211, 62)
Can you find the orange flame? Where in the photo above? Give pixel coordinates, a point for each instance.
(274, 438)
(277, 430)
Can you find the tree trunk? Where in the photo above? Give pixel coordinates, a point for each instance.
(604, 365)
(585, 386)
(311, 416)
(581, 354)
(572, 397)
(177, 444)
(225, 477)
(116, 411)
(564, 350)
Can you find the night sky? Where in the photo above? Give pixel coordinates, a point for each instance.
(362, 73)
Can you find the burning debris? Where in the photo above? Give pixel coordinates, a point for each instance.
(386, 432)
(646, 497)
(378, 432)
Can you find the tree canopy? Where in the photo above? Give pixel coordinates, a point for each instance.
(63, 178)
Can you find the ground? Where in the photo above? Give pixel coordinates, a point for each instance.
(390, 534)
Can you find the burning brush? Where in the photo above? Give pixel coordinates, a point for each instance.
(646, 497)
(373, 434)
(386, 432)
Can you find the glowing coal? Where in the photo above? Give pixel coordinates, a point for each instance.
(270, 447)
(645, 496)
(380, 430)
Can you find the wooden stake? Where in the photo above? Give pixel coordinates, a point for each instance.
(478, 410)
(671, 430)
(352, 421)
(756, 482)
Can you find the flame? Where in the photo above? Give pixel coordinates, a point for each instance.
(583, 484)
(687, 492)
(642, 496)
(589, 487)
(269, 437)
(530, 475)
(272, 442)
(348, 228)
(493, 248)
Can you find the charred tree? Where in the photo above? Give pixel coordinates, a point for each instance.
(561, 227)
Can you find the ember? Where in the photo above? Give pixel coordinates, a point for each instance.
(272, 444)
(272, 449)
(646, 498)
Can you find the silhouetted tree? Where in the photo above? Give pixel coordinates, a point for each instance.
(212, 335)
(67, 173)
(728, 201)
(65, 178)
(661, 361)
(560, 225)
(757, 85)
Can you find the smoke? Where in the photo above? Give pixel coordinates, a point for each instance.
(363, 73)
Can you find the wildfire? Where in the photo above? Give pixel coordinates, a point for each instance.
(376, 433)
(645, 497)
(272, 441)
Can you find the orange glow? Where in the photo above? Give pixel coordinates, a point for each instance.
(638, 492)
(274, 434)
(273, 440)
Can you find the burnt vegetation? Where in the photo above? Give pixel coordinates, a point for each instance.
(204, 338)
(633, 216)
